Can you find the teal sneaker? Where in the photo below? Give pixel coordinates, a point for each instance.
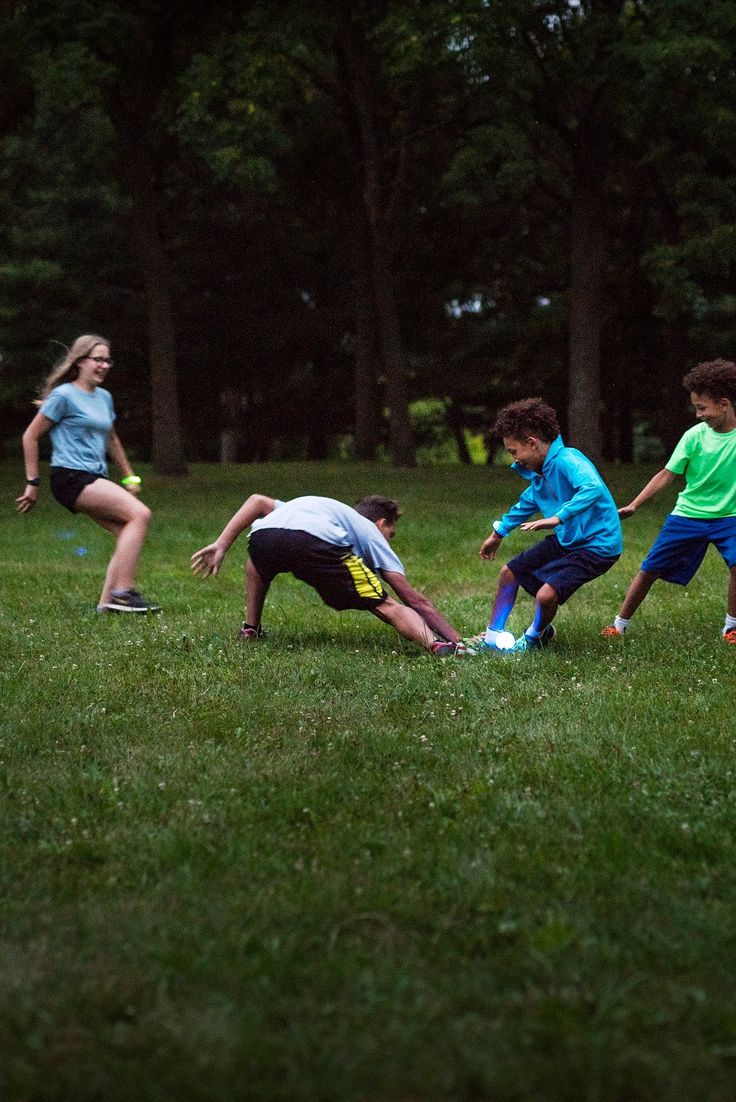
(525, 643)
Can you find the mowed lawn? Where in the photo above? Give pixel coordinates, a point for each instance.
(330, 867)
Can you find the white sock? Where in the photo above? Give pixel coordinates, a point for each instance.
(621, 625)
(730, 623)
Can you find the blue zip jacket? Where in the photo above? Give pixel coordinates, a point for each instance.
(569, 487)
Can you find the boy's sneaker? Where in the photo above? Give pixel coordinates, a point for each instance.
(248, 634)
(610, 631)
(730, 636)
(128, 600)
(526, 643)
(442, 649)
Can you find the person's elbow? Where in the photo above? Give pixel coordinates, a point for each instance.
(30, 438)
(261, 504)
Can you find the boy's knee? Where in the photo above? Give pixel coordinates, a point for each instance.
(507, 576)
(387, 609)
(548, 596)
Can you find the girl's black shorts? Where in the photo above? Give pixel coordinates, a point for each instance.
(67, 485)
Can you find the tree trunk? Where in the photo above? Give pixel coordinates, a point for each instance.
(625, 450)
(230, 404)
(674, 414)
(166, 432)
(366, 355)
(394, 357)
(454, 415)
(587, 255)
(380, 199)
(317, 412)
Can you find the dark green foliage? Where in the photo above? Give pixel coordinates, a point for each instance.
(491, 125)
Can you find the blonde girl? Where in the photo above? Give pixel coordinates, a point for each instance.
(78, 412)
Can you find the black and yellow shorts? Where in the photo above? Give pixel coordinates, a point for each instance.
(340, 576)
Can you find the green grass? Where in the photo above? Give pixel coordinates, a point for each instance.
(331, 867)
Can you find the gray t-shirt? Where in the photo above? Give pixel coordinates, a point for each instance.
(335, 523)
(83, 423)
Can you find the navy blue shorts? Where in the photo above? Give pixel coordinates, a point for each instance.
(680, 547)
(342, 578)
(67, 485)
(564, 568)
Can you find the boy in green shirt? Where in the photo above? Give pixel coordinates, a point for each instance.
(705, 511)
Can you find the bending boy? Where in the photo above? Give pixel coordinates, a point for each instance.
(705, 510)
(341, 552)
(573, 499)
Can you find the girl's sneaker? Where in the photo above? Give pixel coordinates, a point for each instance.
(128, 600)
(730, 636)
(610, 631)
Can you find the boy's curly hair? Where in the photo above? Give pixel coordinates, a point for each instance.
(713, 379)
(529, 417)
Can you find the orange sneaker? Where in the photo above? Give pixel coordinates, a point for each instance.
(729, 636)
(611, 632)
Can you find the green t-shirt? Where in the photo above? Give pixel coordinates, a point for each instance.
(708, 461)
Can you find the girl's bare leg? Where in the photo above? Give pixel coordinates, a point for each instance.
(116, 510)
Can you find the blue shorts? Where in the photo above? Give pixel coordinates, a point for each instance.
(564, 568)
(680, 547)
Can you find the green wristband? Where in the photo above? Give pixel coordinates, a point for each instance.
(130, 480)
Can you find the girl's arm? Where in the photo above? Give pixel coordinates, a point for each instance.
(38, 426)
(116, 452)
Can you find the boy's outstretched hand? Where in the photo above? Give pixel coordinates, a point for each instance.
(626, 511)
(207, 560)
(490, 546)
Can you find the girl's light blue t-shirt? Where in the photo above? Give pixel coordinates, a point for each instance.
(83, 421)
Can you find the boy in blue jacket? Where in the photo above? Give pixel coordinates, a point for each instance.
(565, 487)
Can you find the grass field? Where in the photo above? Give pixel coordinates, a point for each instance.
(329, 867)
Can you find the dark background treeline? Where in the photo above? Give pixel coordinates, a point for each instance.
(321, 227)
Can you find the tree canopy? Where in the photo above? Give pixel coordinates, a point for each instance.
(298, 229)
